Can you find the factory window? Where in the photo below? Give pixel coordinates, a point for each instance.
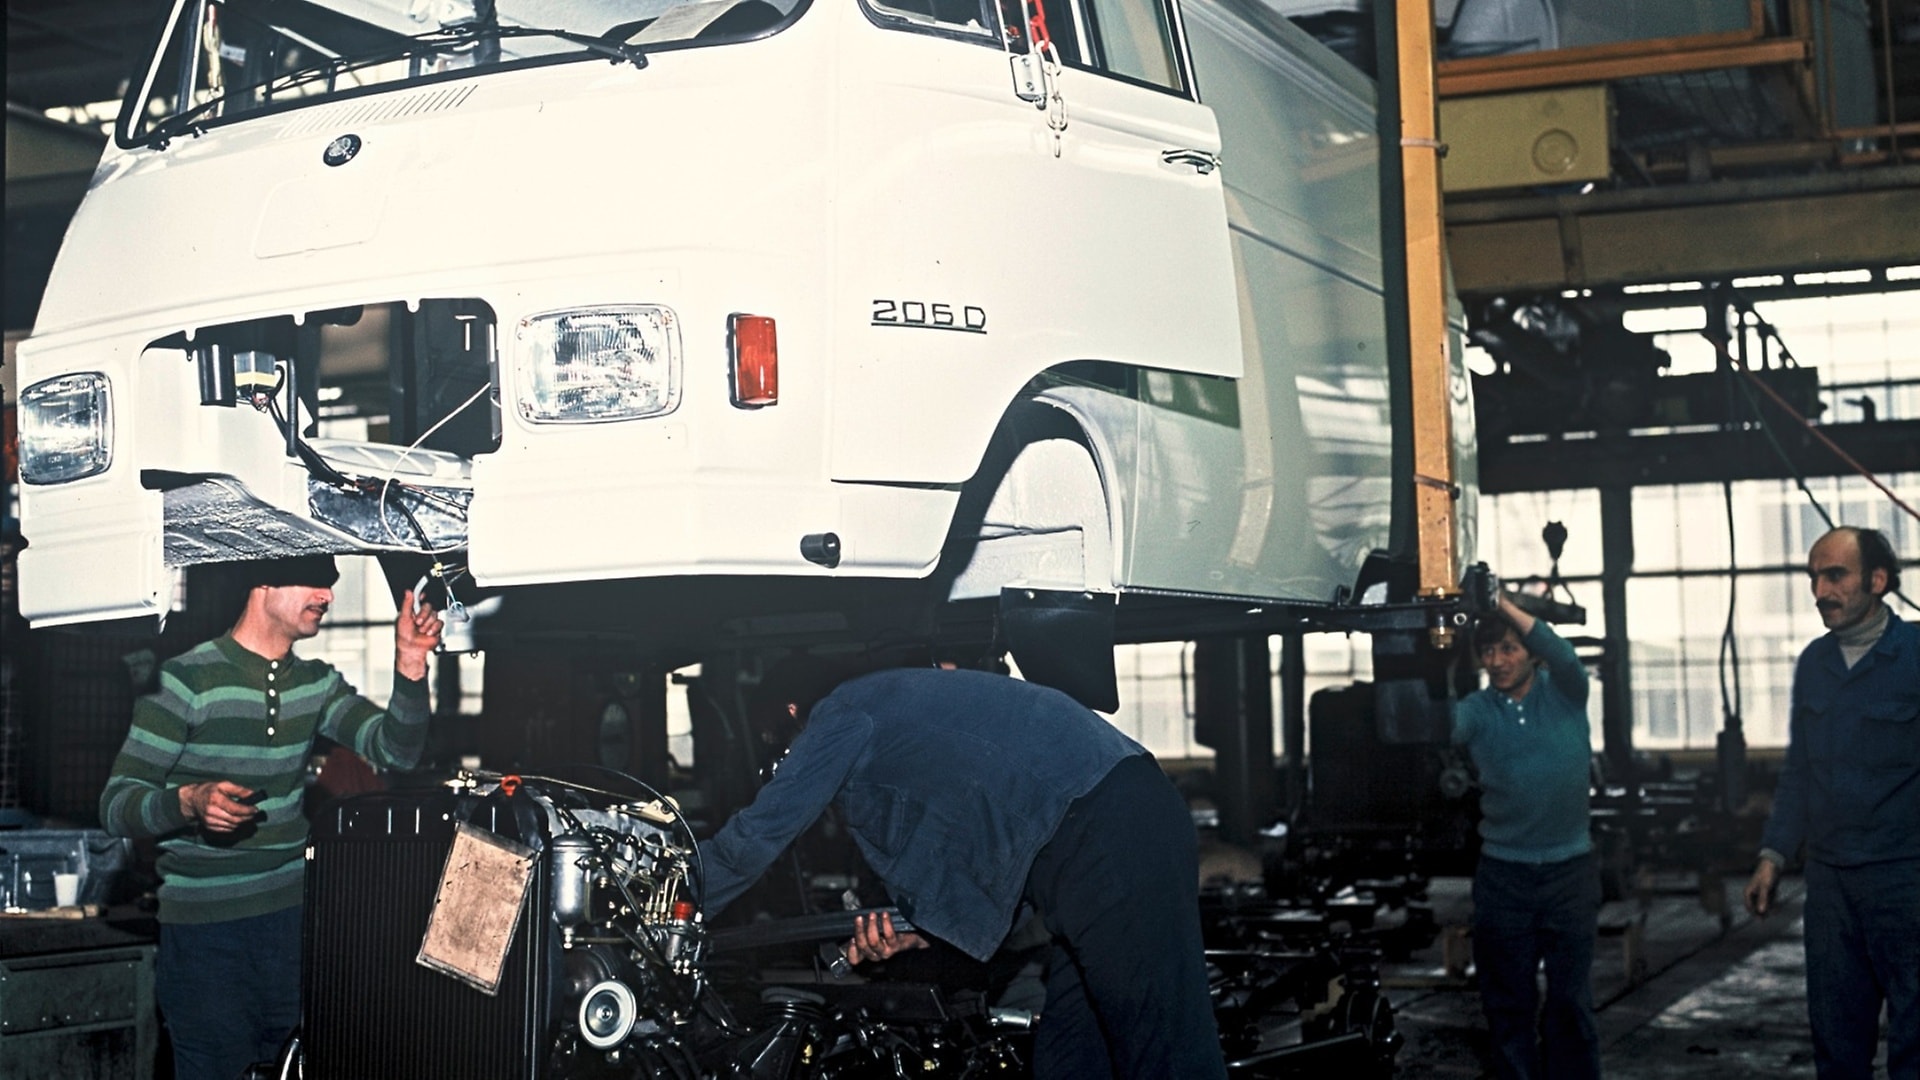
(1680, 601)
(1689, 673)
(1511, 543)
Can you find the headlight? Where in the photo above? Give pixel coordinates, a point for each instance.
(66, 429)
(587, 366)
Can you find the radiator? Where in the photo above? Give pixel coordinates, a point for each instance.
(371, 1012)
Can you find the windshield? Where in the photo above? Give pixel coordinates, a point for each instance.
(222, 59)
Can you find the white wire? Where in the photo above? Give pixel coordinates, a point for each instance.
(408, 452)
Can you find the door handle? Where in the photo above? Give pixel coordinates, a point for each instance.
(1202, 161)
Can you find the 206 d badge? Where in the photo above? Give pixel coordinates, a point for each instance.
(341, 150)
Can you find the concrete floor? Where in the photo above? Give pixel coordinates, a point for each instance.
(1716, 996)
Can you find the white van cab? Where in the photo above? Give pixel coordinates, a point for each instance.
(791, 305)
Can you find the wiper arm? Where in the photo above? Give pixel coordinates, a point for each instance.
(166, 130)
(617, 51)
(448, 39)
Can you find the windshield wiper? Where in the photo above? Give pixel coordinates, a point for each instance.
(616, 51)
(448, 39)
(166, 130)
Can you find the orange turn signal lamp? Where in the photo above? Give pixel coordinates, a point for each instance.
(755, 355)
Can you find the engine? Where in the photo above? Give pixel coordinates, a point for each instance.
(608, 968)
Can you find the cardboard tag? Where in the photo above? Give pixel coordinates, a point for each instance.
(482, 890)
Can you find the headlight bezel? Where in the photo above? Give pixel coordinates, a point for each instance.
(564, 376)
(47, 407)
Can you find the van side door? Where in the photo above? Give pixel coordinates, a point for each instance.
(1089, 224)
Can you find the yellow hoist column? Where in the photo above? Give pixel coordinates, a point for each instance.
(1435, 487)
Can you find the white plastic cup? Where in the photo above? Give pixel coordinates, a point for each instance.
(66, 889)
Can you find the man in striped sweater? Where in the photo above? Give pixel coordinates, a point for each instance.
(214, 767)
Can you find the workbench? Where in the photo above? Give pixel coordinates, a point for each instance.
(76, 996)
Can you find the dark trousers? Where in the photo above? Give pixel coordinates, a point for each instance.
(228, 991)
(1118, 887)
(1863, 950)
(1524, 915)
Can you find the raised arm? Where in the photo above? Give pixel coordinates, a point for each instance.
(415, 634)
(1569, 674)
(392, 737)
(1522, 622)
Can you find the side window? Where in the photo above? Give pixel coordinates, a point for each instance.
(968, 17)
(1054, 21)
(1135, 39)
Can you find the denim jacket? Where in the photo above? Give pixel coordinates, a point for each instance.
(950, 782)
(1850, 789)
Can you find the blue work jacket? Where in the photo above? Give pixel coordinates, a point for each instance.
(1850, 789)
(950, 782)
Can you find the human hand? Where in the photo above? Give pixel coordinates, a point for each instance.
(1760, 888)
(219, 806)
(1522, 622)
(874, 938)
(416, 632)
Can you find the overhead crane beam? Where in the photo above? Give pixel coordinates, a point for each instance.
(1608, 63)
(1714, 231)
(1605, 461)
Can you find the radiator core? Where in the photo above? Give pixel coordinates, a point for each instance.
(370, 1012)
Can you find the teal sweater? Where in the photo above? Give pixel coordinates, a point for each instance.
(224, 713)
(1533, 757)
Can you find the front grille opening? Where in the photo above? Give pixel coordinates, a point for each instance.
(398, 374)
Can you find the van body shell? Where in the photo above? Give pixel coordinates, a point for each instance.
(938, 258)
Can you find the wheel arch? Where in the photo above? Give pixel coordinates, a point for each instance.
(1049, 471)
